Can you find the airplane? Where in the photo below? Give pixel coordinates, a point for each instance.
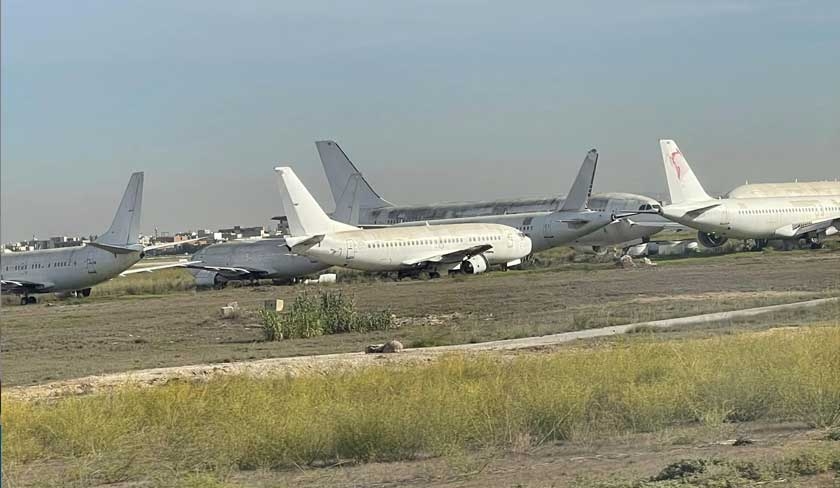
(357, 203)
(811, 217)
(249, 260)
(466, 248)
(77, 269)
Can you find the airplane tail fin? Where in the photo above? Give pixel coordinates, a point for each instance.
(125, 228)
(349, 188)
(683, 185)
(578, 197)
(306, 217)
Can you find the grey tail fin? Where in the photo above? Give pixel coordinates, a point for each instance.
(578, 197)
(349, 188)
(125, 229)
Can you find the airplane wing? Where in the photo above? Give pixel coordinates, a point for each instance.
(20, 286)
(149, 269)
(802, 229)
(171, 244)
(450, 257)
(228, 271)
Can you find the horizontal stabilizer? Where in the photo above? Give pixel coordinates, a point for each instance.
(303, 242)
(114, 249)
(695, 212)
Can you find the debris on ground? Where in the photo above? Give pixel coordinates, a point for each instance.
(230, 311)
(388, 347)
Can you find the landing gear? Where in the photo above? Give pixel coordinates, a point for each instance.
(434, 275)
(28, 300)
(85, 292)
(759, 244)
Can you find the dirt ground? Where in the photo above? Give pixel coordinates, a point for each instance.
(632, 458)
(64, 339)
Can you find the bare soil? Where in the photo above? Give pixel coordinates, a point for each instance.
(71, 339)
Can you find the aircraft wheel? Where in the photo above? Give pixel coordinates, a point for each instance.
(86, 292)
(434, 275)
(24, 300)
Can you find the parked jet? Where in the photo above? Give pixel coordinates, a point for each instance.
(357, 203)
(250, 260)
(794, 189)
(79, 268)
(469, 248)
(784, 217)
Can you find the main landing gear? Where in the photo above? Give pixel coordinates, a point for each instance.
(28, 300)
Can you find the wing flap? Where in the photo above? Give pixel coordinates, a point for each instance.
(17, 286)
(449, 257)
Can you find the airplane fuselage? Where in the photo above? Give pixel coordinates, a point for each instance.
(755, 218)
(268, 258)
(521, 214)
(388, 249)
(67, 269)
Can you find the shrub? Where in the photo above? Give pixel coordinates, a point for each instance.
(324, 313)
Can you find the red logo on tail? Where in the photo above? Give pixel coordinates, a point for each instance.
(675, 164)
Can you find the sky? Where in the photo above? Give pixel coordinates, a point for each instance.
(433, 101)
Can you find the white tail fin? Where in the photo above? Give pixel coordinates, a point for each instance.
(306, 217)
(682, 184)
(125, 229)
(349, 188)
(578, 197)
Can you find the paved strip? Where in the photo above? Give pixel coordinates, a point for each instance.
(293, 366)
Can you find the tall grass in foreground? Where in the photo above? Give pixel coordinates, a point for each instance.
(454, 404)
(326, 312)
(154, 283)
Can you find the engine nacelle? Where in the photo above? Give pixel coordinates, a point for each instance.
(474, 265)
(711, 240)
(207, 279)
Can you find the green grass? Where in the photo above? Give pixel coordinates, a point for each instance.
(154, 283)
(322, 312)
(456, 404)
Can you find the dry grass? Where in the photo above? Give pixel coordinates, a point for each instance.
(460, 403)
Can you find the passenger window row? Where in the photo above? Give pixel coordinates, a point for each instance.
(431, 242)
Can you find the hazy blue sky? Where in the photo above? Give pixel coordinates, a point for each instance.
(432, 100)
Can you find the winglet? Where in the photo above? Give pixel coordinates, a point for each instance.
(578, 197)
(683, 185)
(349, 188)
(125, 228)
(305, 216)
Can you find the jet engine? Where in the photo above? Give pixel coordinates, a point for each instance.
(711, 240)
(207, 279)
(474, 265)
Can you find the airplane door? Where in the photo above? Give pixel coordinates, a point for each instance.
(510, 240)
(724, 215)
(351, 250)
(90, 262)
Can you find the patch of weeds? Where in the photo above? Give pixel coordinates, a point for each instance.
(681, 469)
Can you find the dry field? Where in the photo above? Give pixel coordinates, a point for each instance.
(74, 338)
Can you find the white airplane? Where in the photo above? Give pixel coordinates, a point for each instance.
(812, 217)
(77, 269)
(468, 248)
